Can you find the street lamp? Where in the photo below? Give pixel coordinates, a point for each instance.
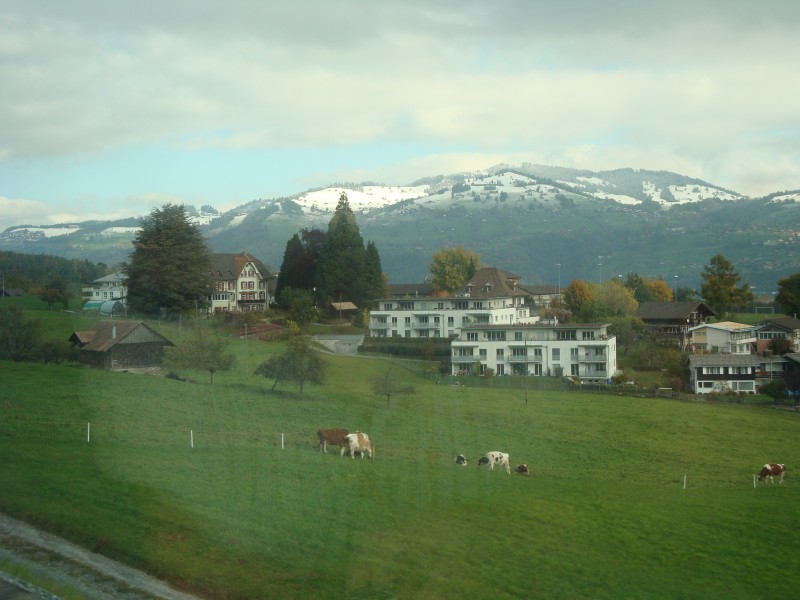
(600, 266)
(675, 296)
(559, 281)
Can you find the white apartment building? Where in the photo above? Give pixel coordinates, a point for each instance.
(725, 337)
(491, 297)
(585, 351)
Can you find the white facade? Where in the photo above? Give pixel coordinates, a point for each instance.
(724, 337)
(585, 351)
(110, 287)
(239, 283)
(443, 317)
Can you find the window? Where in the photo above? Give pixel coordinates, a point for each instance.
(500, 354)
(566, 335)
(537, 353)
(520, 352)
(573, 354)
(517, 336)
(482, 353)
(496, 336)
(556, 354)
(712, 370)
(537, 369)
(472, 336)
(588, 335)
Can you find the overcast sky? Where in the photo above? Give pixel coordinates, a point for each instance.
(112, 108)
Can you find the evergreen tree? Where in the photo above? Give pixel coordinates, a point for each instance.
(341, 269)
(300, 259)
(169, 266)
(374, 282)
(789, 294)
(719, 286)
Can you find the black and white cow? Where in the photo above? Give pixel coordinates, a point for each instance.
(461, 460)
(495, 458)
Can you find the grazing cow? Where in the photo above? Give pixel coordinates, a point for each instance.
(461, 460)
(770, 470)
(333, 436)
(495, 458)
(523, 469)
(357, 442)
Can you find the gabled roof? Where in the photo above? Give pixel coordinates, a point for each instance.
(231, 265)
(343, 306)
(785, 323)
(491, 282)
(671, 310)
(724, 360)
(113, 278)
(542, 289)
(108, 333)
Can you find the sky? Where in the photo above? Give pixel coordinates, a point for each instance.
(109, 109)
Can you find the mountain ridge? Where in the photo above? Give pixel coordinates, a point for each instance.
(525, 218)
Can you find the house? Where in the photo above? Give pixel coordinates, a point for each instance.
(779, 328)
(722, 373)
(491, 296)
(725, 337)
(543, 295)
(111, 287)
(582, 350)
(240, 283)
(343, 310)
(115, 345)
(409, 290)
(671, 321)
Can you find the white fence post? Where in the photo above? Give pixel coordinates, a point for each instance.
(281, 441)
(684, 482)
(88, 432)
(191, 438)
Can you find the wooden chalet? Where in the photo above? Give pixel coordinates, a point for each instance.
(671, 321)
(120, 345)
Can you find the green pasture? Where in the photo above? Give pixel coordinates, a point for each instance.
(252, 510)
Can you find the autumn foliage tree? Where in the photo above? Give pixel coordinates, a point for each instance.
(451, 267)
(576, 295)
(719, 288)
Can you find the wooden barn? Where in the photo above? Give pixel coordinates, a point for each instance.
(120, 345)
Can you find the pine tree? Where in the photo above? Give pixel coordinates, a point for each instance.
(374, 283)
(169, 267)
(719, 286)
(300, 260)
(341, 269)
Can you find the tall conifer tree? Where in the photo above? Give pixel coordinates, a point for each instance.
(341, 270)
(168, 271)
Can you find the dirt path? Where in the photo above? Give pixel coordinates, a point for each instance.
(94, 576)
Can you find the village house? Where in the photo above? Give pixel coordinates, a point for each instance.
(723, 373)
(671, 321)
(725, 337)
(240, 283)
(107, 295)
(779, 328)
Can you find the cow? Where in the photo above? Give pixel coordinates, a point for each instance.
(495, 458)
(523, 469)
(333, 436)
(358, 442)
(461, 460)
(770, 470)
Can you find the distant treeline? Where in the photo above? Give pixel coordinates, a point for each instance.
(24, 271)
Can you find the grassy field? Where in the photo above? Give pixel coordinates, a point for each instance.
(252, 510)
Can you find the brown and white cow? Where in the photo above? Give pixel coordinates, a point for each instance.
(523, 469)
(772, 470)
(357, 442)
(495, 458)
(334, 436)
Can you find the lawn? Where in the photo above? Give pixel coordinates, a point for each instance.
(220, 489)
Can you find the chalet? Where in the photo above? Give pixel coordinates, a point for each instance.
(779, 328)
(671, 321)
(240, 283)
(723, 373)
(542, 295)
(115, 345)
